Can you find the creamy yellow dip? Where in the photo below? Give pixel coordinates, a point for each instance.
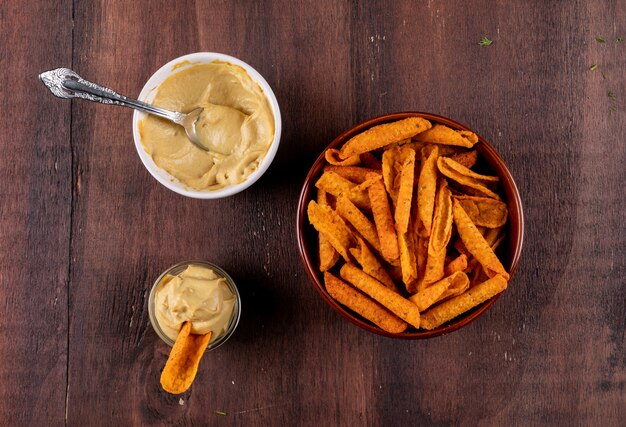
(197, 295)
(237, 125)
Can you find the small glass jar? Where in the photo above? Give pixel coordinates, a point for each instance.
(179, 268)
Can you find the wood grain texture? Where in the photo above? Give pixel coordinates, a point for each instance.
(86, 230)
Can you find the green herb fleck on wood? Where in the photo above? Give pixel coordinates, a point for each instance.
(611, 94)
(485, 42)
(619, 39)
(593, 67)
(600, 39)
(220, 413)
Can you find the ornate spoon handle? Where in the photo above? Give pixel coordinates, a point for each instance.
(65, 83)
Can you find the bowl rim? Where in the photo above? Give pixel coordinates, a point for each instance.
(149, 90)
(512, 198)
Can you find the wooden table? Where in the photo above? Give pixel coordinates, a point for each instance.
(86, 230)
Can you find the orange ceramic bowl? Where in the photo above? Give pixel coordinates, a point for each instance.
(509, 251)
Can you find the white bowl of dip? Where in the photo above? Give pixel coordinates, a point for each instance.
(148, 94)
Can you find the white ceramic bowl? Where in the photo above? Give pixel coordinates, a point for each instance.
(147, 95)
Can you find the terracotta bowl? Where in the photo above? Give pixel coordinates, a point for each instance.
(509, 251)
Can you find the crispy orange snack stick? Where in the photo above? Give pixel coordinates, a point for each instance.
(457, 264)
(408, 261)
(484, 211)
(440, 236)
(398, 305)
(363, 305)
(383, 220)
(440, 134)
(359, 221)
(452, 164)
(405, 191)
(426, 190)
(327, 253)
(466, 158)
(182, 365)
(332, 157)
(337, 185)
(383, 135)
(370, 264)
(456, 288)
(476, 244)
(355, 174)
(452, 308)
(468, 183)
(428, 296)
(391, 169)
(327, 221)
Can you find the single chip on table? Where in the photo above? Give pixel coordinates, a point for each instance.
(456, 306)
(182, 364)
(363, 305)
(395, 303)
(383, 135)
(329, 223)
(428, 296)
(426, 191)
(327, 253)
(383, 219)
(440, 236)
(476, 244)
(484, 211)
(440, 134)
(348, 211)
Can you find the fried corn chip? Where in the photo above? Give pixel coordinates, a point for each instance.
(457, 264)
(332, 157)
(476, 244)
(383, 220)
(492, 235)
(408, 261)
(398, 305)
(328, 255)
(467, 183)
(363, 305)
(440, 134)
(391, 169)
(426, 191)
(452, 308)
(405, 191)
(428, 296)
(337, 185)
(484, 211)
(466, 158)
(372, 266)
(182, 365)
(327, 221)
(440, 236)
(456, 166)
(355, 174)
(383, 135)
(370, 161)
(456, 288)
(359, 221)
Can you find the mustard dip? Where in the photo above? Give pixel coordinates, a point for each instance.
(197, 295)
(237, 124)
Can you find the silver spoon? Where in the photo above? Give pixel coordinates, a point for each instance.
(65, 83)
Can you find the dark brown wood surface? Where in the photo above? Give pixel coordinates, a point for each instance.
(85, 229)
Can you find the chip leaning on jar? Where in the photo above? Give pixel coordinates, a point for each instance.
(195, 306)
